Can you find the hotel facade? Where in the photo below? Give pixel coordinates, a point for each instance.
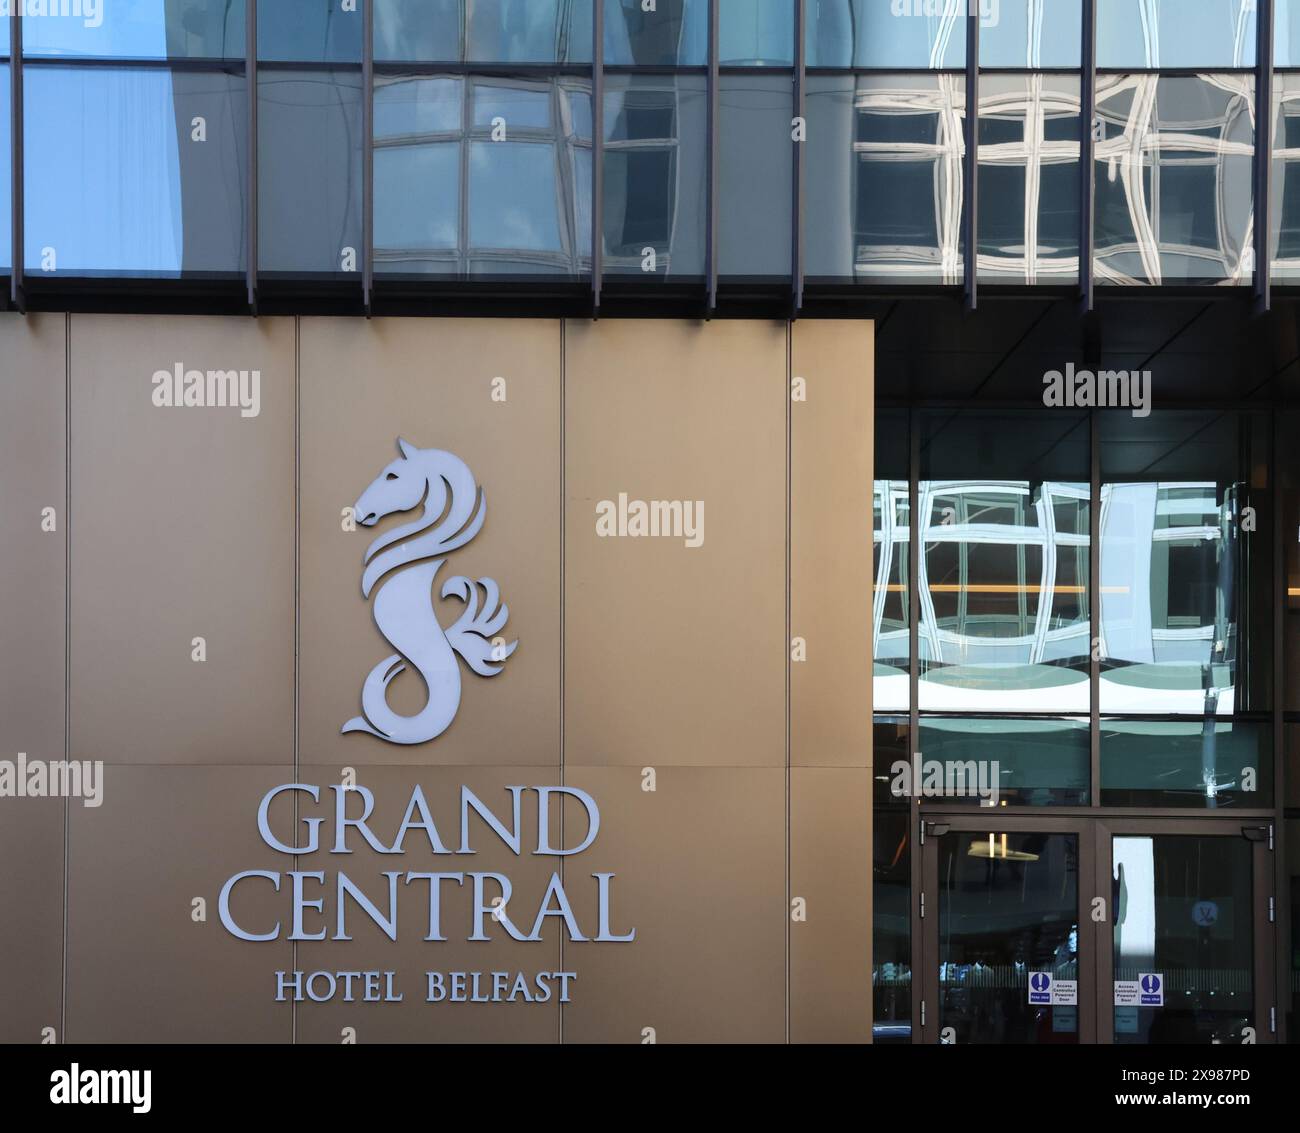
(650, 521)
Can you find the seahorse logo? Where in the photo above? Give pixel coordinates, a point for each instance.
(408, 559)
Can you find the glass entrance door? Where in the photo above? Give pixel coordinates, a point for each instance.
(1190, 933)
(1077, 930)
(1006, 960)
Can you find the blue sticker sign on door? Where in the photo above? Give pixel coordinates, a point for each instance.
(1152, 987)
(1040, 988)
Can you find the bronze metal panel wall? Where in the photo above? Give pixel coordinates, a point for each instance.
(677, 516)
(33, 579)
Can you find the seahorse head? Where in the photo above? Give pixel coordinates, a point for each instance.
(452, 513)
(401, 486)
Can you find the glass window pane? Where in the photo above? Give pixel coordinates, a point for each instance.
(1208, 970)
(1191, 763)
(756, 33)
(6, 193)
(309, 176)
(406, 107)
(1284, 221)
(756, 161)
(655, 176)
(1004, 578)
(997, 761)
(525, 154)
(513, 106)
(1175, 33)
(501, 215)
(891, 536)
(884, 179)
(116, 182)
(1286, 33)
(310, 31)
(1029, 179)
(1288, 475)
(138, 29)
(891, 937)
(418, 30)
(899, 33)
(417, 207)
(1186, 617)
(676, 33)
(528, 31)
(1030, 33)
(1175, 195)
(1007, 905)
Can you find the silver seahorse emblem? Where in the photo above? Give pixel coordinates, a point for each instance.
(405, 562)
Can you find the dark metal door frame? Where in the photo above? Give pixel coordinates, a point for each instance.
(1096, 941)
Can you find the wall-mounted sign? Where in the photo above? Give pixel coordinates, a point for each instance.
(453, 508)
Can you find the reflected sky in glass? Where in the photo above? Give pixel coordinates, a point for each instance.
(141, 29)
(103, 185)
(1175, 33)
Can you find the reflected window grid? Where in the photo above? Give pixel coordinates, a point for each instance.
(548, 124)
(973, 615)
(1174, 160)
(908, 138)
(1034, 105)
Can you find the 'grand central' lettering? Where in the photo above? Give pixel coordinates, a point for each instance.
(490, 894)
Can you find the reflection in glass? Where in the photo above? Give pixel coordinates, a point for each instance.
(755, 153)
(1183, 915)
(309, 179)
(1029, 178)
(891, 938)
(1004, 617)
(655, 175)
(140, 29)
(528, 31)
(526, 211)
(485, 31)
(885, 178)
(114, 184)
(756, 33)
(1286, 33)
(1031, 33)
(1284, 219)
(1004, 586)
(1185, 613)
(310, 31)
(868, 33)
(1173, 174)
(1207, 763)
(675, 33)
(1176, 33)
(891, 537)
(418, 31)
(1008, 907)
(6, 192)
(1039, 761)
